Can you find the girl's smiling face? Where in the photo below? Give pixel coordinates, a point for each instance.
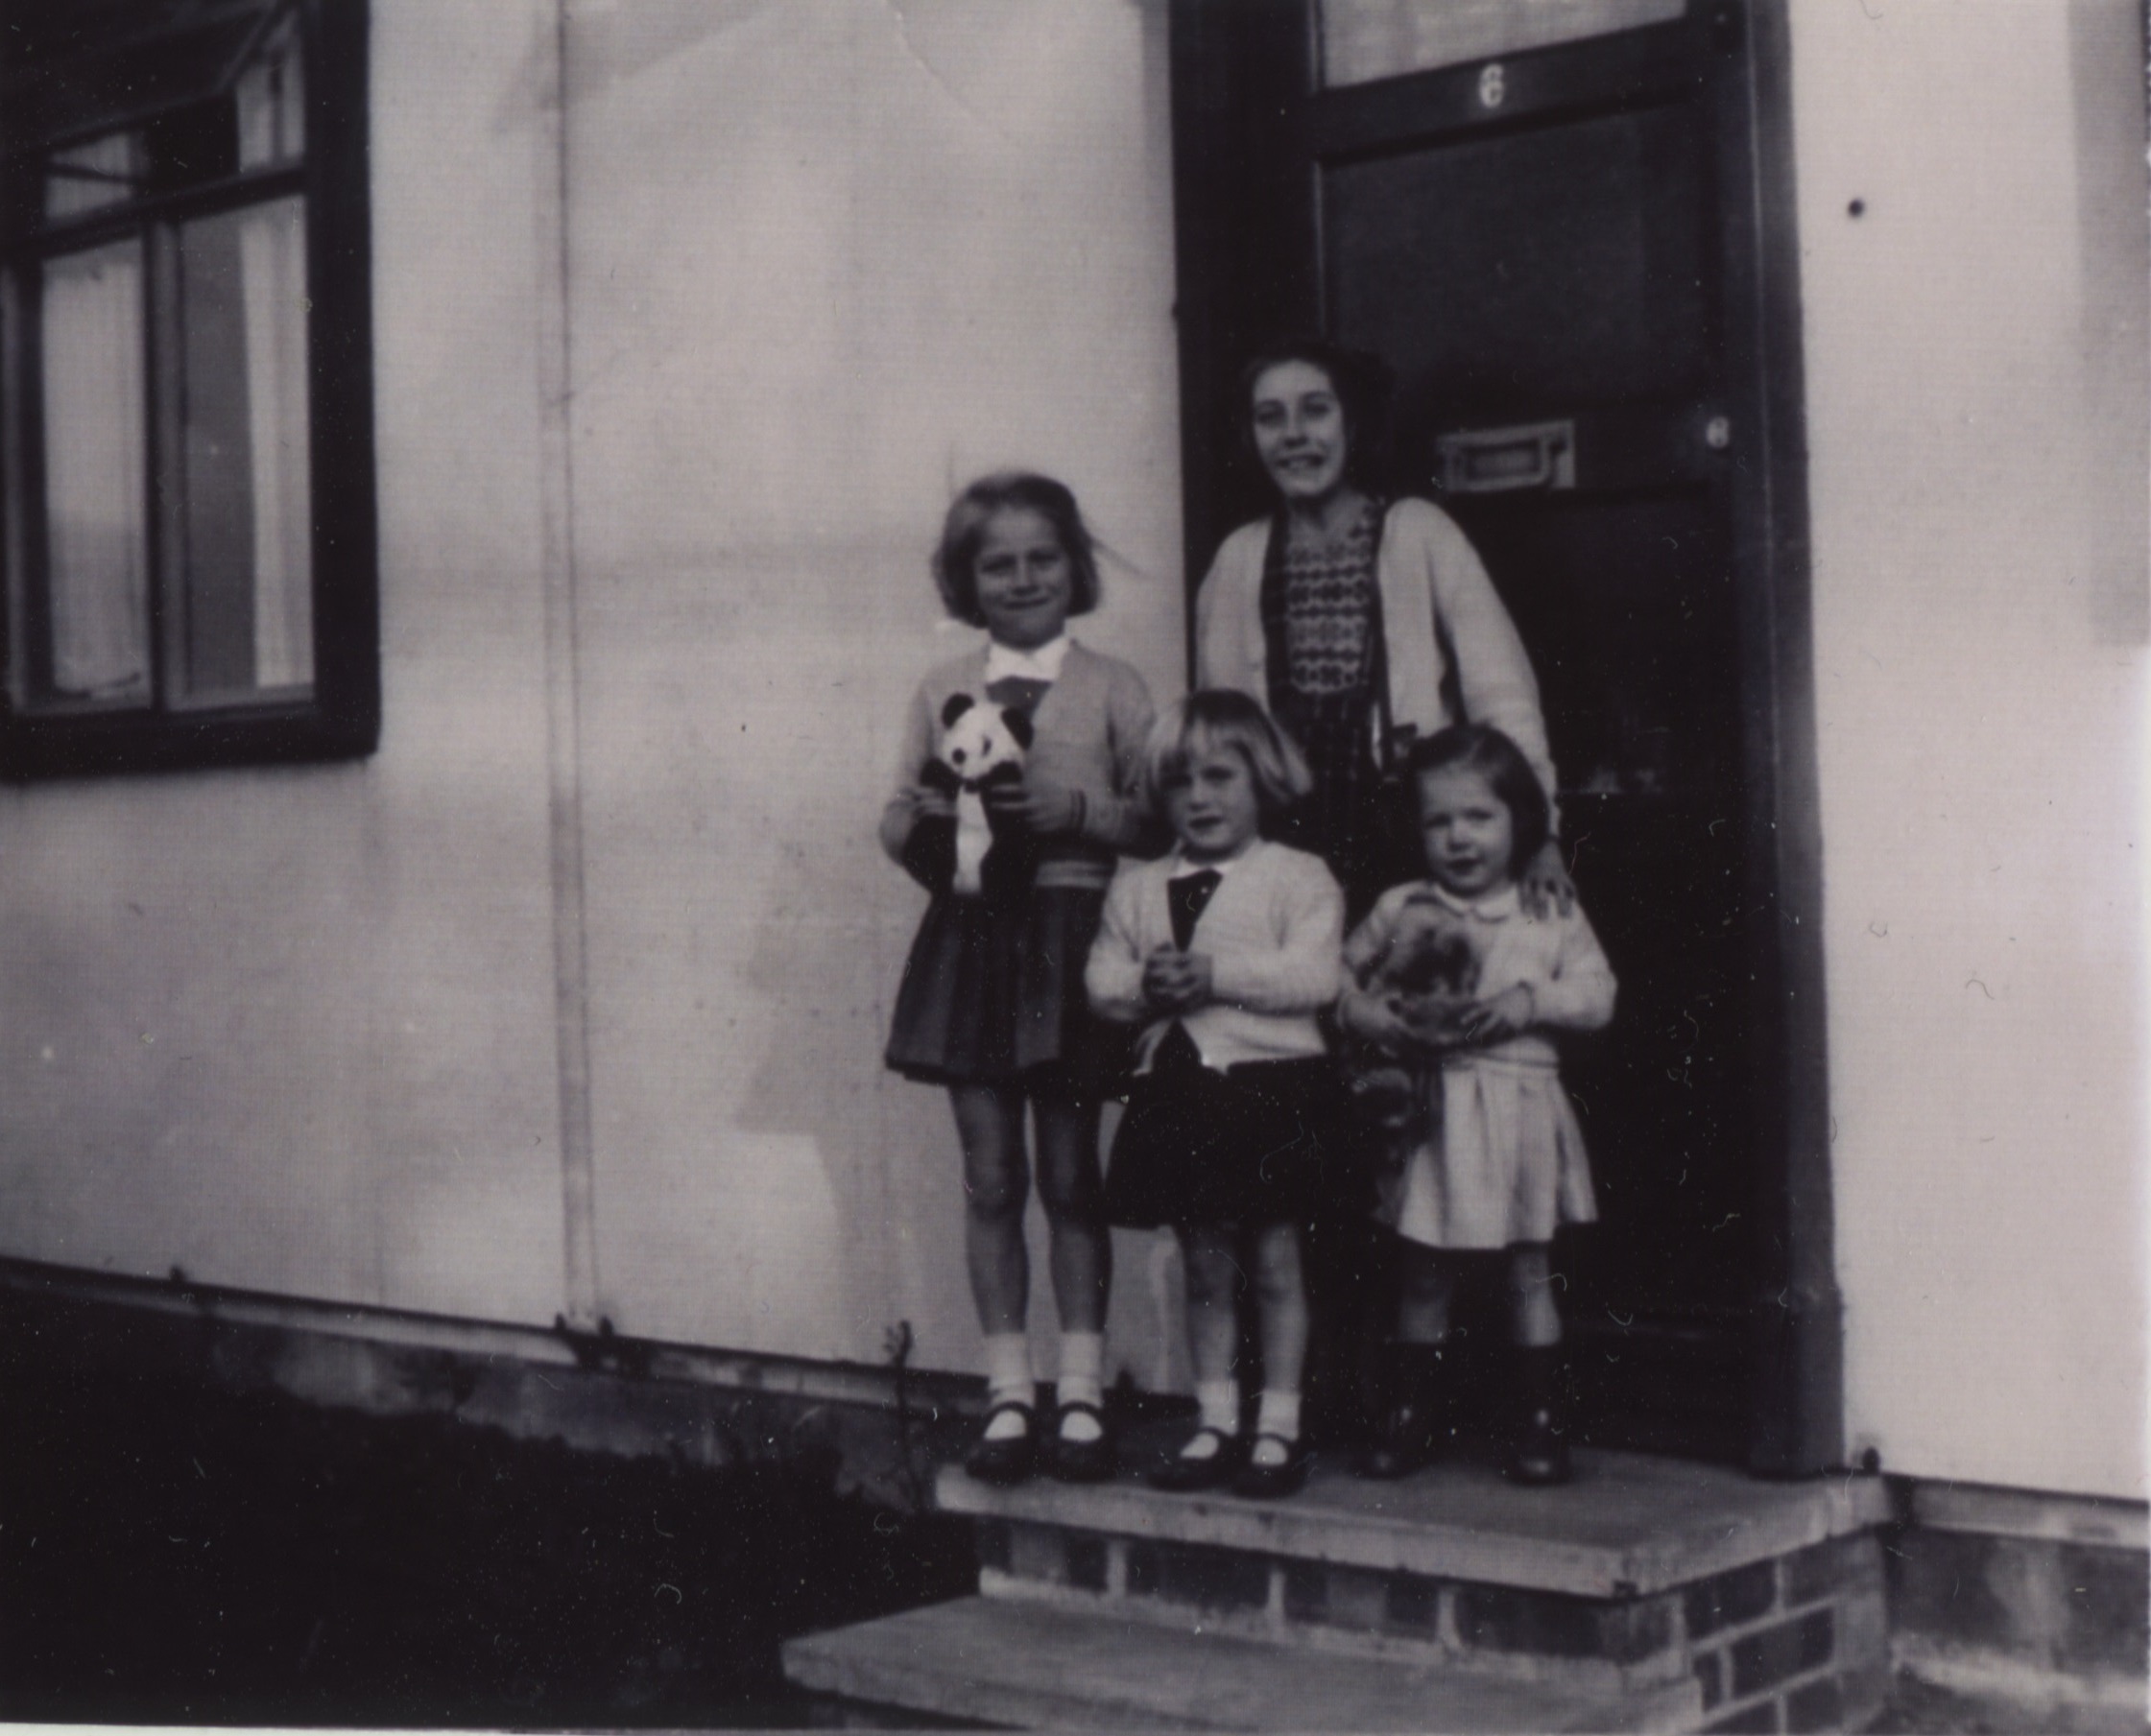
(1300, 431)
(1467, 831)
(1215, 808)
(1026, 583)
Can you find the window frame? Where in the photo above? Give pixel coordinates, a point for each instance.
(340, 718)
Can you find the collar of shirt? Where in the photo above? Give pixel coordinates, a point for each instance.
(1179, 868)
(1041, 665)
(1495, 907)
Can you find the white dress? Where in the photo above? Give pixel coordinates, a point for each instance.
(1496, 1157)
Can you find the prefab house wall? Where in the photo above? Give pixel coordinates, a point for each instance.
(811, 267)
(1977, 393)
(689, 316)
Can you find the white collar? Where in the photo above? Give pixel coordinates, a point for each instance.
(1041, 665)
(1496, 906)
(1179, 868)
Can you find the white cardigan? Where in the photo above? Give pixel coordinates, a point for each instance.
(1429, 573)
(1273, 931)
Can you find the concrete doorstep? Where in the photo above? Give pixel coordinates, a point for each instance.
(1034, 1666)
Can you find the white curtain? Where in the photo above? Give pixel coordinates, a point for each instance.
(96, 494)
(272, 282)
(271, 101)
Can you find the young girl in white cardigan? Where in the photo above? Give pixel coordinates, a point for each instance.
(1225, 951)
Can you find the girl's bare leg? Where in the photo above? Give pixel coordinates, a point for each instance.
(1281, 1285)
(1080, 1245)
(1213, 1284)
(990, 1125)
(1534, 1318)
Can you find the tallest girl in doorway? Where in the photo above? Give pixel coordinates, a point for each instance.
(1360, 621)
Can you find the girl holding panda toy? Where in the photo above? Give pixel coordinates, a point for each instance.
(992, 1004)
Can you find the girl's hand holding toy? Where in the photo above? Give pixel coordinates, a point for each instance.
(1434, 1022)
(1509, 1014)
(1376, 1019)
(930, 803)
(1039, 806)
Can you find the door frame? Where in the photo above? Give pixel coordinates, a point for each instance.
(1241, 79)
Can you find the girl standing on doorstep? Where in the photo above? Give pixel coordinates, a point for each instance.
(992, 1004)
(1492, 1159)
(1225, 951)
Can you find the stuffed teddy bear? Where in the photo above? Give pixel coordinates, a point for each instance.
(1428, 972)
(972, 853)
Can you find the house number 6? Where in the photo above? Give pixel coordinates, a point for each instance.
(1493, 85)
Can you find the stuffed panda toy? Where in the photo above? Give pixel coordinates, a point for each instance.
(971, 853)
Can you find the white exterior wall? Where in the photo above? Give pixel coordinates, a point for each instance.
(1976, 400)
(827, 259)
(294, 1029)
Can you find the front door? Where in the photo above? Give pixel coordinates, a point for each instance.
(1536, 215)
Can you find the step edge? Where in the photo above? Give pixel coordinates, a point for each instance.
(919, 1689)
(1445, 1549)
(809, 1660)
(1585, 1675)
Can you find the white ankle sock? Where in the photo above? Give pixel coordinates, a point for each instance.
(1081, 1381)
(1277, 1413)
(1007, 1381)
(1220, 1402)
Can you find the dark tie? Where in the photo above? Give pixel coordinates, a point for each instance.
(1185, 898)
(1020, 692)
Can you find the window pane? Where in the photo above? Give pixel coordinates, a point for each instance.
(82, 178)
(272, 109)
(96, 507)
(1365, 39)
(245, 573)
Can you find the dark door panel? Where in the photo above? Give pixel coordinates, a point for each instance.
(1547, 269)
(1558, 251)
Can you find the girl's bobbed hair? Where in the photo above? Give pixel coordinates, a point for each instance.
(1485, 752)
(1223, 717)
(956, 558)
(1362, 382)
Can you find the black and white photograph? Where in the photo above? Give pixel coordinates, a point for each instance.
(1245, 865)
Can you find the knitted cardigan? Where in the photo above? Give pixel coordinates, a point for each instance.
(1274, 934)
(1453, 653)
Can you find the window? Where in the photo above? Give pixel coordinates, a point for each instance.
(185, 385)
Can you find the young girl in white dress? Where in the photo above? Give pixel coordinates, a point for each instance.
(1492, 1158)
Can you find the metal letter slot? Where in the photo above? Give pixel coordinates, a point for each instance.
(1491, 461)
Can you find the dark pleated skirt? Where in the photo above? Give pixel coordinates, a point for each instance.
(1266, 1142)
(992, 994)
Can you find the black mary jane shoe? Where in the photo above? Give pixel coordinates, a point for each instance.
(1011, 1459)
(1258, 1482)
(1180, 1475)
(1082, 1460)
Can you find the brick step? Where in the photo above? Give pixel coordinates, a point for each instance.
(1032, 1665)
(1645, 1572)
(1629, 1526)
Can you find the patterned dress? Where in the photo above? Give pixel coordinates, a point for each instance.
(1321, 619)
